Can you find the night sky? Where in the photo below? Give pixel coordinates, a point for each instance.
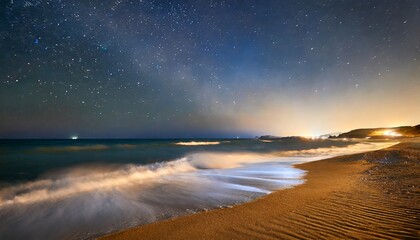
(144, 69)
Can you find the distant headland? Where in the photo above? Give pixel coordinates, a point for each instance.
(367, 133)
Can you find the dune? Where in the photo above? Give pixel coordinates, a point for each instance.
(372, 195)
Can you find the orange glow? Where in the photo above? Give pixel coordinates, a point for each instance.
(386, 132)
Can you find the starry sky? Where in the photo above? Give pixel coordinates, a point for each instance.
(163, 69)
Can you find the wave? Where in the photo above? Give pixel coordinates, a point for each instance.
(126, 146)
(97, 147)
(98, 199)
(193, 143)
(96, 178)
(337, 151)
(73, 183)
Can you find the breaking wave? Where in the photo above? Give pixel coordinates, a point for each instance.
(97, 147)
(320, 153)
(193, 143)
(73, 183)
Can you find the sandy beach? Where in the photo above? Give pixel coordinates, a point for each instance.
(371, 195)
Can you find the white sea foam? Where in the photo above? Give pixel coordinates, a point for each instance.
(320, 153)
(228, 160)
(79, 180)
(73, 183)
(193, 143)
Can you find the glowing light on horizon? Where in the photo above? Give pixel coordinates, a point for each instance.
(74, 137)
(311, 137)
(387, 133)
(391, 133)
(315, 137)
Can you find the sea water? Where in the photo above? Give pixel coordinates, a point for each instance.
(76, 189)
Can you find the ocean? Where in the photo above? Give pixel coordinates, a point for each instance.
(78, 189)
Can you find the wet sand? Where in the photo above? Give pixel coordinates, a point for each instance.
(374, 195)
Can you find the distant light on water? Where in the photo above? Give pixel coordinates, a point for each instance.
(74, 137)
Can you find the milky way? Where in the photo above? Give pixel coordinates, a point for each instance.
(206, 68)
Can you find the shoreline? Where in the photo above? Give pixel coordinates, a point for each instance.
(340, 198)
